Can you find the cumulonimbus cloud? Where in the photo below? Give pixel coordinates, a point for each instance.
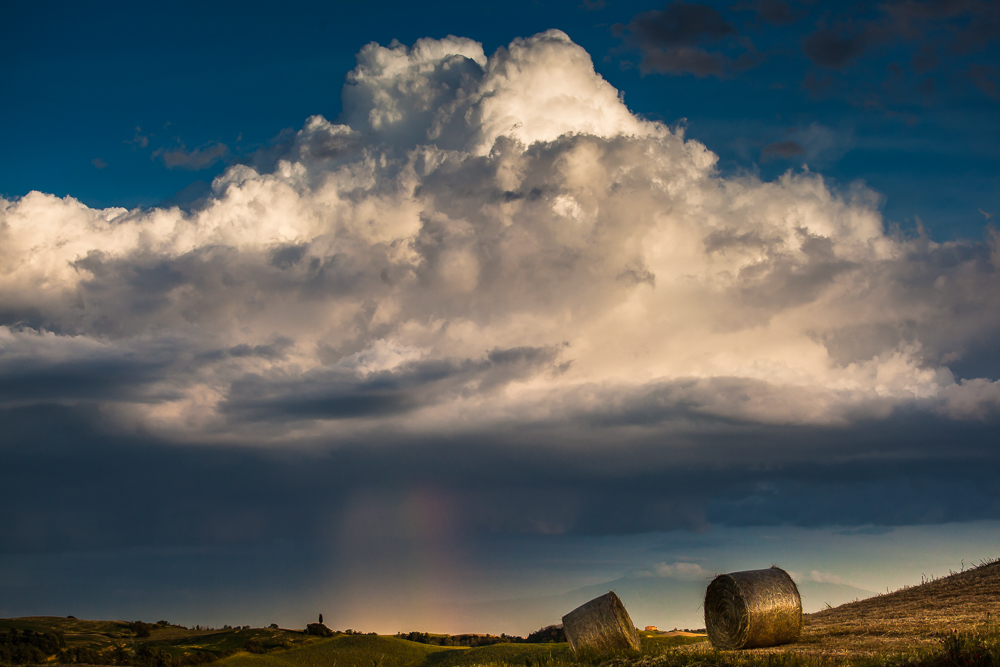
(490, 240)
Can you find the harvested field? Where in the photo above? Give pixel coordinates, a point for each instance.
(911, 619)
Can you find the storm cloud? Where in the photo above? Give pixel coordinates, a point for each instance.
(683, 38)
(493, 275)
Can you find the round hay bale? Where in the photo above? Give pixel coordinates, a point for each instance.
(753, 609)
(601, 626)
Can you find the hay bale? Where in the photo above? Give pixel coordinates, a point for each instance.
(601, 626)
(752, 609)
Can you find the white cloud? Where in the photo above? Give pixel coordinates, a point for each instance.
(818, 577)
(969, 399)
(687, 571)
(678, 570)
(501, 240)
(825, 578)
(446, 93)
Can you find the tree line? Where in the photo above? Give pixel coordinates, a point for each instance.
(548, 634)
(28, 647)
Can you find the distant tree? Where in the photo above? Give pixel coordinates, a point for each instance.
(273, 626)
(140, 629)
(550, 633)
(321, 618)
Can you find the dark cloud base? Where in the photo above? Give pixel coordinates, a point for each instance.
(70, 486)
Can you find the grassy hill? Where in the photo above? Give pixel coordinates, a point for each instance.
(344, 651)
(98, 641)
(118, 642)
(914, 617)
(903, 627)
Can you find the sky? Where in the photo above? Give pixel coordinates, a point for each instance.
(442, 318)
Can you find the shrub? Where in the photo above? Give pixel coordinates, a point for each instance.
(28, 647)
(550, 633)
(197, 658)
(141, 629)
(320, 630)
(253, 645)
(86, 656)
(148, 656)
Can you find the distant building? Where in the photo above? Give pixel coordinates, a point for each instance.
(652, 628)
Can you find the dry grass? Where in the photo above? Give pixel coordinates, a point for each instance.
(911, 620)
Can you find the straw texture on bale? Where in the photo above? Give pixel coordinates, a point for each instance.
(752, 609)
(601, 626)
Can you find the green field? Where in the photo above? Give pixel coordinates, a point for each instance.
(108, 642)
(120, 643)
(343, 651)
(379, 651)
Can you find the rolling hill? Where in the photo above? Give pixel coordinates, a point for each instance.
(917, 616)
(920, 618)
(911, 620)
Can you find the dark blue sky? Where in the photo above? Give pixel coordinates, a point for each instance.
(901, 95)
(671, 288)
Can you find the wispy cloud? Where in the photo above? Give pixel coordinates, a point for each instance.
(819, 577)
(199, 158)
(138, 140)
(816, 144)
(684, 38)
(679, 570)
